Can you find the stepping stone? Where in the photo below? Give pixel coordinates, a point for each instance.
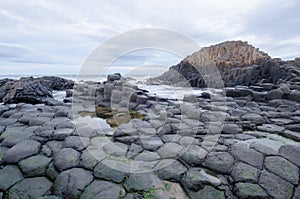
(194, 155)
(66, 158)
(207, 192)
(249, 190)
(111, 170)
(21, 150)
(277, 187)
(151, 143)
(30, 188)
(219, 161)
(102, 189)
(249, 156)
(70, 183)
(142, 182)
(271, 128)
(34, 165)
(196, 178)
(170, 150)
(172, 171)
(242, 172)
(290, 153)
(9, 175)
(282, 168)
(77, 143)
(231, 129)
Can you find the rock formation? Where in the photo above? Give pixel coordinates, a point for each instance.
(238, 63)
(31, 90)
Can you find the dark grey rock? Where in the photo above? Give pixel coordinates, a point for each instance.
(291, 134)
(294, 96)
(77, 143)
(194, 155)
(70, 183)
(30, 188)
(277, 187)
(253, 117)
(282, 168)
(142, 182)
(66, 158)
(21, 150)
(249, 190)
(263, 149)
(102, 189)
(290, 153)
(51, 172)
(151, 143)
(242, 172)
(172, 171)
(16, 138)
(9, 175)
(170, 150)
(91, 156)
(62, 133)
(249, 156)
(196, 178)
(219, 161)
(111, 170)
(231, 129)
(34, 165)
(207, 192)
(271, 128)
(297, 193)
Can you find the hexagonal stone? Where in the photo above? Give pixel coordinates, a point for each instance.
(9, 175)
(196, 178)
(111, 170)
(194, 155)
(70, 183)
(66, 159)
(231, 129)
(253, 117)
(16, 138)
(249, 156)
(30, 188)
(282, 168)
(271, 128)
(170, 150)
(290, 153)
(277, 187)
(263, 149)
(102, 189)
(77, 143)
(249, 190)
(219, 161)
(242, 172)
(173, 171)
(21, 150)
(151, 143)
(207, 192)
(61, 134)
(142, 182)
(34, 165)
(91, 156)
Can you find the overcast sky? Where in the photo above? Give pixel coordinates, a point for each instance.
(56, 36)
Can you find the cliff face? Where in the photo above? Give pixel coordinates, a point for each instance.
(230, 53)
(238, 63)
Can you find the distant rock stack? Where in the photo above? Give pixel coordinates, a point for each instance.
(238, 63)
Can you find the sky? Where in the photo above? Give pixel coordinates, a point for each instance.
(56, 37)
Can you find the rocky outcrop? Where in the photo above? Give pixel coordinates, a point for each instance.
(238, 63)
(31, 90)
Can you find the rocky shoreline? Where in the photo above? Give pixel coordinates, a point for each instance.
(114, 140)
